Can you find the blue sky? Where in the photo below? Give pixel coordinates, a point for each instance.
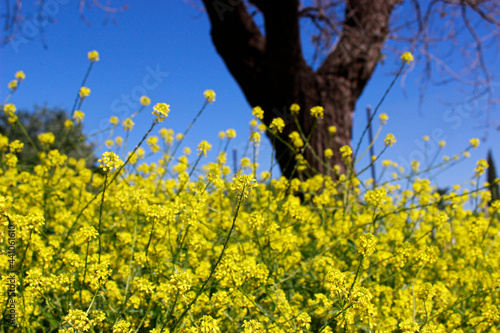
(163, 48)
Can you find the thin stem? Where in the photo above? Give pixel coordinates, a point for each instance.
(376, 109)
(100, 215)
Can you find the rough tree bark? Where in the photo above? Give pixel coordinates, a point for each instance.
(273, 74)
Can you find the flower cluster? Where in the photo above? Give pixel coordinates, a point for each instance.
(161, 111)
(109, 161)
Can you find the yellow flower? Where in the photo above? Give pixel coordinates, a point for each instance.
(145, 100)
(118, 141)
(482, 165)
(11, 160)
(317, 112)
(295, 109)
(415, 165)
(407, 57)
(13, 85)
(78, 116)
(109, 161)
(277, 125)
(9, 109)
(253, 123)
(186, 150)
(231, 133)
(345, 151)
(20, 76)
(161, 110)
(296, 139)
(390, 139)
(303, 320)
(93, 56)
(209, 95)
(128, 124)
(255, 137)
(474, 142)
(207, 324)
(46, 138)
(16, 146)
(366, 244)
(409, 326)
(383, 118)
(258, 112)
(426, 138)
(109, 143)
(442, 143)
(87, 233)
(122, 327)
(222, 135)
(68, 124)
(114, 120)
(376, 197)
(203, 147)
(84, 92)
(253, 326)
(332, 130)
(78, 320)
(328, 153)
(243, 183)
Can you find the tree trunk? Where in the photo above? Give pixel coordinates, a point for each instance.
(273, 74)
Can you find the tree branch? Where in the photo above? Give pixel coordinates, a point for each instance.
(365, 29)
(238, 41)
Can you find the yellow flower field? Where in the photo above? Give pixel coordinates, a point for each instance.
(173, 246)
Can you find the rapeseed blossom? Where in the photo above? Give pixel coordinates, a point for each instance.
(204, 147)
(93, 56)
(317, 112)
(258, 112)
(332, 130)
(128, 124)
(407, 57)
(231, 133)
(243, 184)
(345, 151)
(255, 137)
(481, 167)
(78, 116)
(84, 92)
(295, 109)
(474, 142)
(114, 120)
(145, 100)
(161, 111)
(277, 125)
(68, 124)
(77, 320)
(46, 138)
(383, 118)
(209, 95)
(20, 76)
(390, 139)
(296, 139)
(109, 161)
(13, 85)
